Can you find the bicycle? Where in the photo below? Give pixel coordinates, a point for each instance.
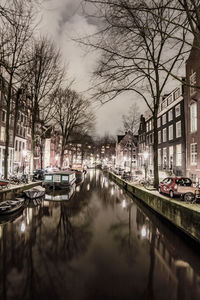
(148, 184)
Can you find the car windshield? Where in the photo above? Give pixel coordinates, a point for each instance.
(184, 182)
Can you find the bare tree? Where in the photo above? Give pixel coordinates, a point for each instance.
(44, 75)
(131, 125)
(136, 46)
(72, 112)
(16, 35)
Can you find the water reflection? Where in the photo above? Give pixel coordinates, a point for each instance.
(98, 245)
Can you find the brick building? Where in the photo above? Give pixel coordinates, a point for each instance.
(171, 135)
(127, 151)
(192, 111)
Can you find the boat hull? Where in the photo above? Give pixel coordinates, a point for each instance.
(11, 206)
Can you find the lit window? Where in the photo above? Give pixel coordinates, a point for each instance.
(171, 132)
(164, 134)
(170, 115)
(177, 110)
(178, 155)
(178, 129)
(159, 157)
(158, 122)
(193, 117)
(3, 134)
(164, 119)
(171, 155)
(164, 158)
(193, 154)
(159, 137)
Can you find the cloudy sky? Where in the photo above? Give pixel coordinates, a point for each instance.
(62, 20)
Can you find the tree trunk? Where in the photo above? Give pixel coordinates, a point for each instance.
(155, 151)
(62, 158)
(32, 145)
(7, 129)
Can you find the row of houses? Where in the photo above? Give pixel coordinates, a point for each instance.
(178, 131)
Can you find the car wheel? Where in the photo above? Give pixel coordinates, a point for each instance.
(171, 194)
(188, 197)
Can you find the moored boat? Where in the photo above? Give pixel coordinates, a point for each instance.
(35, 192)
(60, 195)
(79, 171)
(3, 183)
(11, 206)
(62, 179)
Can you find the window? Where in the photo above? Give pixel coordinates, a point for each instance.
(193, 154)
(159, 137)
(158, 122)
(164, 119)
(164, 134)
(164, 104)
(16, 145)
(177, 110)
(171, 157)
(164, 158)
(170, 115)
(20, 146)
(150, 127)
(193, 117)
(178, 155)
(170, 99)
(177, 93)
(159, 157)
(171, 132)
(192, 82)
(178, 129)
(3, 116)
(3, 134)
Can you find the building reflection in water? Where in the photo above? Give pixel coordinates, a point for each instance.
(38, 246)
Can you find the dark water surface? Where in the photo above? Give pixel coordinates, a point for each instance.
(100, 244)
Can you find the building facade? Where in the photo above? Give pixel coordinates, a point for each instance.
(171, 136)
(127, 151)
(192, 111)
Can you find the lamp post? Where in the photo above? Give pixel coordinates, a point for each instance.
(145, 155)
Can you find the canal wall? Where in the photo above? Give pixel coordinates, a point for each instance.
(184, 216)
(13, 192)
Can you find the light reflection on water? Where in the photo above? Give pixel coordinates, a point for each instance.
(98, 244)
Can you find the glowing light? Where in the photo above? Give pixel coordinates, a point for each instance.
(88, 187)
(78, 188)
(145, 154)
(23, 227)
(144, 232)
(124, 204)
(112, 191)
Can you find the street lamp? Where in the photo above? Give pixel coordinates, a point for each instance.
(145, 155)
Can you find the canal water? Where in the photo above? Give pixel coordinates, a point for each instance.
(97, 244)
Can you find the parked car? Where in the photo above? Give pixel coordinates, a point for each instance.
(119, 171)
(171, 185)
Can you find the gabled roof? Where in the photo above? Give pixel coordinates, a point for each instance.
(119, 138)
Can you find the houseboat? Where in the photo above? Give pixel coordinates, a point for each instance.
(60, 195)
(80, 172)
(61, 179)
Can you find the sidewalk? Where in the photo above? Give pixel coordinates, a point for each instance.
(184, 216)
